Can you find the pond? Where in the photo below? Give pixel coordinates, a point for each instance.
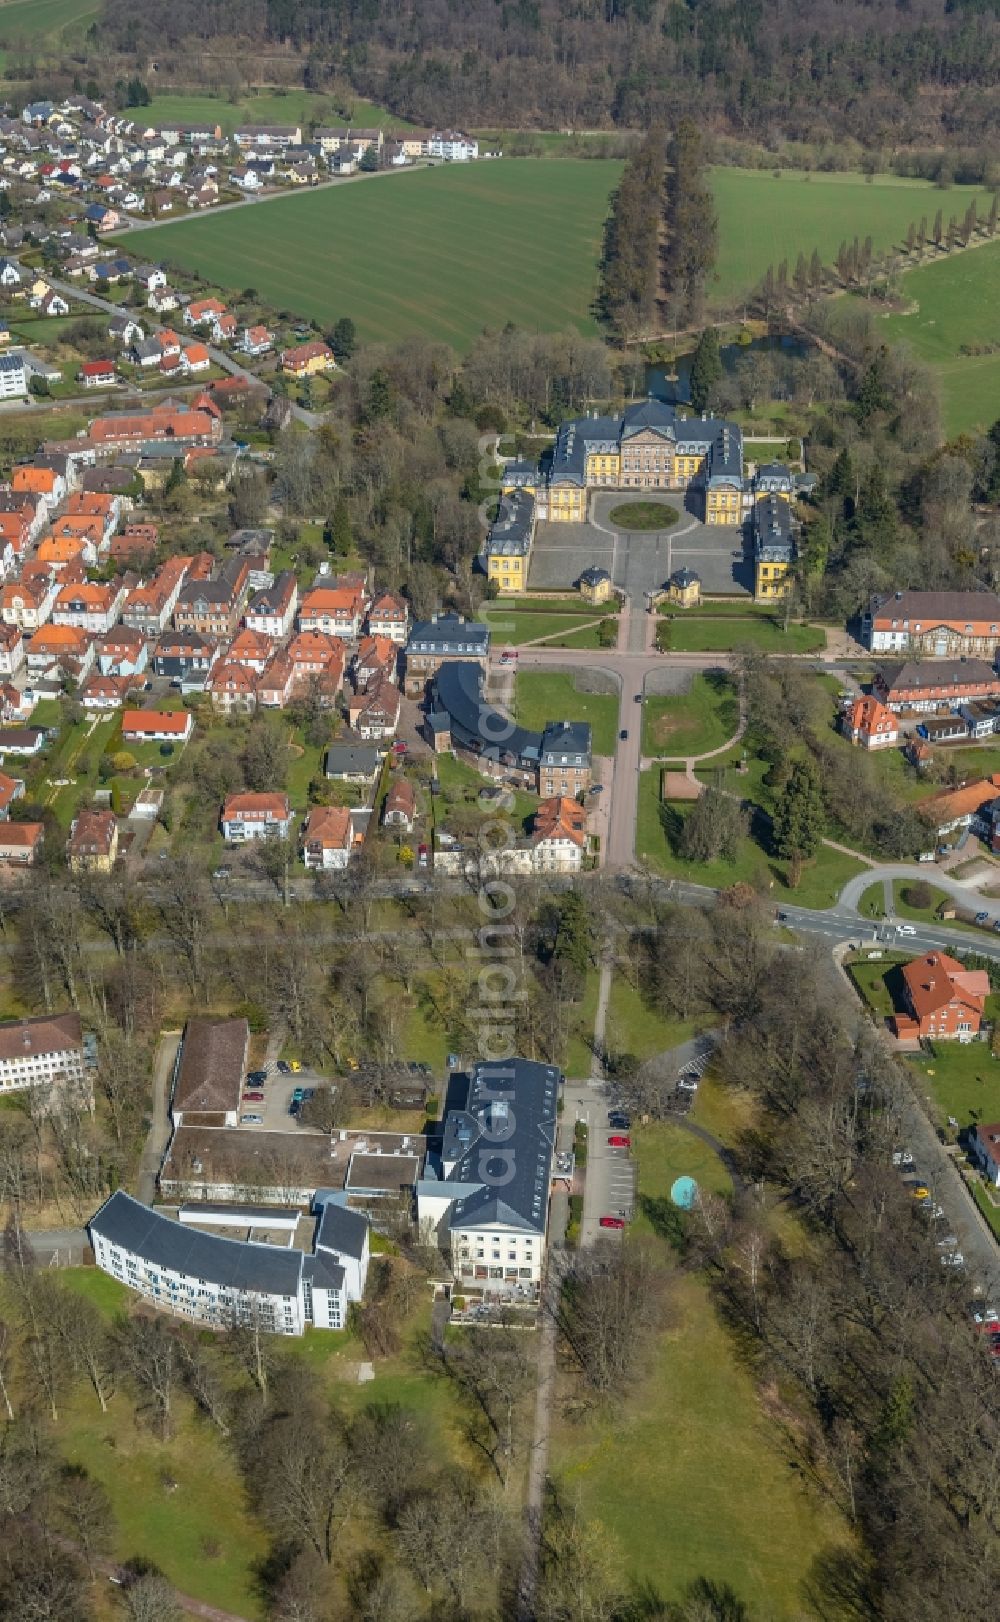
(675, 389)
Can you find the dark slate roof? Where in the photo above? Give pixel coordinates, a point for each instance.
(351, 758)
(477, 725)
(682, 578)
(341, 1230)
(566, 738)
(511, 530)
(449, 634)
(323, 1273)
(594, 576)
(772, 531)
(503, 1141)
(519, 471)
(773, 476)
(573, 442)
(231, 1263)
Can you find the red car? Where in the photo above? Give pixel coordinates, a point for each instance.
(253, 1098)
(612, 1222)
(619, 1142)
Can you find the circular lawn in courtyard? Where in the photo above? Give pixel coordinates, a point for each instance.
(643, 515)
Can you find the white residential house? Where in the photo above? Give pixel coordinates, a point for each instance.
(11, 650)
(389, 616)
(13, 378)
(161, 299)
(327, 838)
(256, 816)
(453, 146)
(271, 612)
(10, 274)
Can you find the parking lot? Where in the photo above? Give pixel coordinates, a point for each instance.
(274, 1107)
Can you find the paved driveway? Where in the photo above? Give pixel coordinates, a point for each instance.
(640, 561)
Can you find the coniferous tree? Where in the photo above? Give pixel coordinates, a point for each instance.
(799, 816)
(706, 370)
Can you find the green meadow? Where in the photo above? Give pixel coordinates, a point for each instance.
(443, 251)
(765, 218)
(952, 303)
(294, 106)
(29, 21)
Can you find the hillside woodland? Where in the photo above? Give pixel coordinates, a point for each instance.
(917, 72)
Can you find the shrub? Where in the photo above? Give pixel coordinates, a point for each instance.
(918, 895)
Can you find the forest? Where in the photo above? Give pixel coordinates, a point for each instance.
(919, 74)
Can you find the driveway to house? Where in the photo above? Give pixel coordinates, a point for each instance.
(159, 1127)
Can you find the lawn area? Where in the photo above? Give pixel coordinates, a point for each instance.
(174, 1526)
(306, 761)
(549, 696)
(990, 1211)
(425, 1040)
(821, 882)
(483, 244)
(717, 635)
(962, 1080)
(924, 915)
(956, 301)
(878, 981)
(643, 515)
(872, 903)
(665, 1152)
(578, 1049)
(765, 450)
(764, 219)
(666, 1468)
(691, 723)
(633, 1026)
(99, 1288)
(514, 629)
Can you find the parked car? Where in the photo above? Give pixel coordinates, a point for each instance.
(257, 1078)
(617, 1119)
(220, 873)
(251, 1120)
(253, 1098)
(618, 1140)
(294, 1066)
(902, 1157)
(921, 1192)
(298, 1095)
(688, 1084)
(623, 734)
(905, 929)
(283, 1067)
(982, 917)
(949, 1242)
(611, 1222)
(953, 1258)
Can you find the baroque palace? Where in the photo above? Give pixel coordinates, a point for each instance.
(651, 446)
